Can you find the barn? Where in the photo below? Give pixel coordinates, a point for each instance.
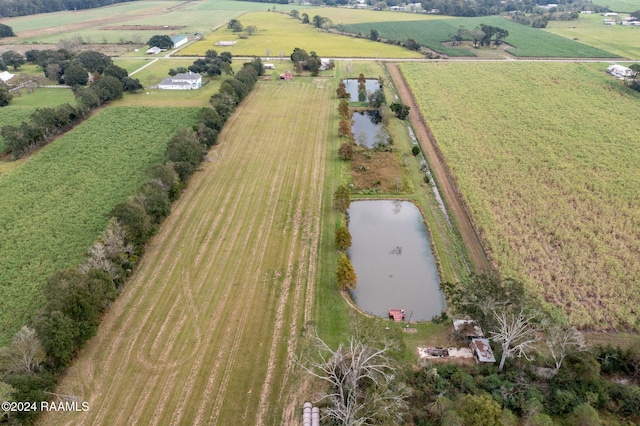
(184, 81)
(180, 40)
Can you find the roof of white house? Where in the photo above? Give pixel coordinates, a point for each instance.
(191, 76)
(6, 76)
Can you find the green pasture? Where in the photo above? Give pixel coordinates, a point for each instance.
(621, 40)
(131, 64)
(620, 5)
(55, 204)
(278, 34)
(340, 15)
(23, 104)
(545, 160)
(525, 41)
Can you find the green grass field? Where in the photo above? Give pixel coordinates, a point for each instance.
(278, 34)
(525, 41)
(544, 159)
(620, 5)
(618, 39)
(54, 204)
(207, 330)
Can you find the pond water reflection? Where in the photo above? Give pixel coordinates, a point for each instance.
(391, 254)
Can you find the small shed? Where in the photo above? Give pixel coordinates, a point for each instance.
(6, 76)
(482, 349)
(154, 50)
(269, 66)
(180, 40)
(286, 76)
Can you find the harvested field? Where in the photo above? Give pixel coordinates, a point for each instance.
(206, 331)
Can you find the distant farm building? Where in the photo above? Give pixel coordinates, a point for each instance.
(183, 81)
(269, 67)
(619, 71)
(154, 50)
(226, 43)
(287, 76)
(6, 76)
(180, 40)
(482, 349)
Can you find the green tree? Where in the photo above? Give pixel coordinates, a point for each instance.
(131, 85)
(305, 18)
(135, 221)
(342, 198)
(401, 110)
(161, 41)
(374, 35)
(75, 75)
(108, 88)
(6, 31)
(585, 415)
(5, 95)
(343, 238)
(13, 59)
(235, 26)
(95, 61)
(377, 98)
(346, 275)
(294, 14)
(479, 410)
(251, 29)
(185, 152)
(116, 71)
(299, 55)
(341, 91)
(343, 109)
(411, 44)
(317, 21)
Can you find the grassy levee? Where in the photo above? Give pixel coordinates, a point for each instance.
(206, 330)
(54, 205)
(549, 175)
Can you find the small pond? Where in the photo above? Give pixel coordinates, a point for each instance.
(368, 129)
(391, 254)
(352, 85)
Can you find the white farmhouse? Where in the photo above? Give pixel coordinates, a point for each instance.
(184, 81)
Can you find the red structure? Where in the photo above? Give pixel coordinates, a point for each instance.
(396, 314)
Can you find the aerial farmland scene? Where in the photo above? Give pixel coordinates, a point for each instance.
(325, 212)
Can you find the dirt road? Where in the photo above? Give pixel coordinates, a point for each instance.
(439, 169)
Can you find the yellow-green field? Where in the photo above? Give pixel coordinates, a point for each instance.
(547, 164)
(588, 29)
(207, 330)
(358, 16)
(278, 34)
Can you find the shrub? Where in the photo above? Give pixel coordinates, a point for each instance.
(415, 150)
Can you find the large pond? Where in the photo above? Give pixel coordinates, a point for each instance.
(352, 86)
(368, 129)
(391, 254)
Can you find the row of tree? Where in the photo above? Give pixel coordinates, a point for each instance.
(9, 8)
(76, 298)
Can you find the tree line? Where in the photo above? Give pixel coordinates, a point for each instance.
(10, 8)
(76, 298)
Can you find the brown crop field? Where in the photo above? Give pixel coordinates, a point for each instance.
(206, 331)
(543, 156)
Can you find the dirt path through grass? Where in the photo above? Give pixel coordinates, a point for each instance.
(438, 167)
(207, 330)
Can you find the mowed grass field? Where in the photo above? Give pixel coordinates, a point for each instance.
(621, 40)
(278, 34)
(54, 205)
(525, 41)
(620, 5)
(545, 160)
(207, 329)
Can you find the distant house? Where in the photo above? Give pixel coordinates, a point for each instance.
(619, 71)
(482, 349)
(269, 66)
(631, 20)
(154, 50)
(183, 81)
(179, 40)
(6, 76)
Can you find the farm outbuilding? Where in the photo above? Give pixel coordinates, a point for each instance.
(154, 50)
(6, 76)
(183, 81)
(619, 71)
(482, 349)
(180, 40)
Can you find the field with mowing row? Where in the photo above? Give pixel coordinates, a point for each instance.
(54, 204)
(278, 34)
(619, 5)
(588, 29)
(207, 329)
(525, 41)
(545, 160)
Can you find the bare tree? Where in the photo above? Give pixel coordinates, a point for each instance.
(104, 252)
(24, 353)
(516, 333)
(561, 340)
(363, 389)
